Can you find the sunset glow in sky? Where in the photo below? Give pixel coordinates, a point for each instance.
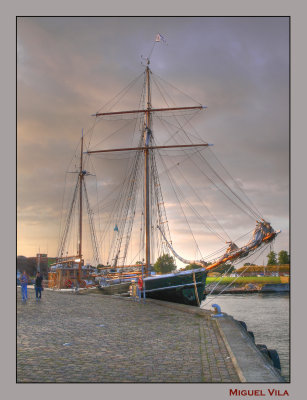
(67, 68)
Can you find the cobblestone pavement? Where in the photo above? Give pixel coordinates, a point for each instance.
(95, 338)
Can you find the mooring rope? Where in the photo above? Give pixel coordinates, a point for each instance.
(195, 288)
(231, 283)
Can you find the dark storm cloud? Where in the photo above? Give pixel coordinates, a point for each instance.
(69, 67)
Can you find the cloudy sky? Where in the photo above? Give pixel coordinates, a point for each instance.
(67, 68)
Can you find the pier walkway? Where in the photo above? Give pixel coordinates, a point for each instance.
(94, 338)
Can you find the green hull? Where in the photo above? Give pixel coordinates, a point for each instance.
(177, 287)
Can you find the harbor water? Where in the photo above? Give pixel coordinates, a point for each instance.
(265, 314)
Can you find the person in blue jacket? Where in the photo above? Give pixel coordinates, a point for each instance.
(24, 280)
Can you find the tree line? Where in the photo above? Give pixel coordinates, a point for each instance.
(29, 264)
(281, 258)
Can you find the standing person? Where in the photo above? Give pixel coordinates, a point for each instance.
(38, 286)
(140, 287)
(24, 286)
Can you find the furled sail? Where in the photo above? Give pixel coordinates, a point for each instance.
(199, 262)
(263, 233)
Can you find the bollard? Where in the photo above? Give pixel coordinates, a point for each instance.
(217, 311)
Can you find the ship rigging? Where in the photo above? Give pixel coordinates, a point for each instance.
(140, 200)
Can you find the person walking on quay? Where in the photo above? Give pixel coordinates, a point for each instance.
(38, 286)
(24, 286)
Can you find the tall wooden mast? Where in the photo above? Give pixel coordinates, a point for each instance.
(81, 176)
(147, 148)
(147, 141)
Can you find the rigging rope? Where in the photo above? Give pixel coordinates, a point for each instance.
(181, 207)
(255, 214)
(120, 94)
(60, 234)
(68, 222)
(179, 90)
(92, 227)
(231, 283)
(196, 212)
(240, 189)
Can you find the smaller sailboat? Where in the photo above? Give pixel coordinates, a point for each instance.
(69, 271)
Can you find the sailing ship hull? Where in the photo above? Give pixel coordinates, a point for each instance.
(178, 287)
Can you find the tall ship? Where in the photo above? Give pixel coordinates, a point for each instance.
(154, 175)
